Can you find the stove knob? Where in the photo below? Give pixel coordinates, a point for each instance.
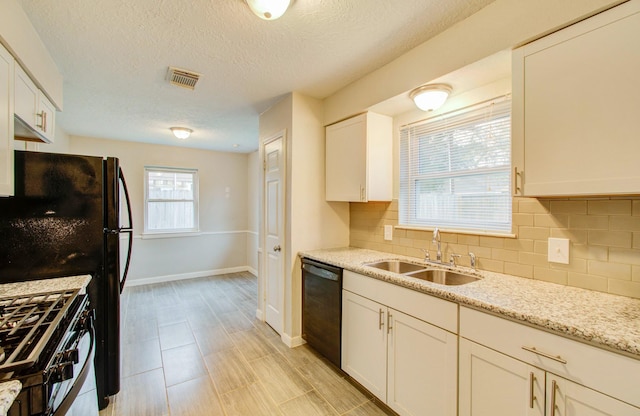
(62, 372)
(71, 355)
(84, 321)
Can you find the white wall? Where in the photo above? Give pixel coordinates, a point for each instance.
(310, 221)
(253, 197)
(222, 243)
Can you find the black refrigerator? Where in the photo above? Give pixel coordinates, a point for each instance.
(65, 220)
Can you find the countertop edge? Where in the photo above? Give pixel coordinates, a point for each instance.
(9, 390)
(481, 299)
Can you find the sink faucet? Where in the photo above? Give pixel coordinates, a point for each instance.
(436, 240)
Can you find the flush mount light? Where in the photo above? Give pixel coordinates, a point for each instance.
(181, 132)
(430, 97)
(268, 9)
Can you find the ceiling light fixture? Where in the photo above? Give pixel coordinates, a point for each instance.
(268, 9)
(430, 97)
(181, 132)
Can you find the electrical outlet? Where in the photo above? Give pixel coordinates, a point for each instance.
(388, 232)
(558, 251)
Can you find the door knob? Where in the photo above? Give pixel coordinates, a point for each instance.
(276, 248)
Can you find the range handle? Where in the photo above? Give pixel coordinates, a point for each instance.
(127, 230)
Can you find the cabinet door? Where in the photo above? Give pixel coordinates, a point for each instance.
(364, 342)
(423, 370)
(578, 91)
(6, 122)
(346, 165)
(495, 384)
(46, 117)
(566, 398)
(26, 98)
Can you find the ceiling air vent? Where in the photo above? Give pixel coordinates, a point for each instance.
(182, 77)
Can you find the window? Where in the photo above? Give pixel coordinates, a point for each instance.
(455, 170)
(171, 200)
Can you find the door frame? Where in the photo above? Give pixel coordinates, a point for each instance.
(262, 251)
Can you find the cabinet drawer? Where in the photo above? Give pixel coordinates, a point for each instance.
(436, 311)
(608, 372)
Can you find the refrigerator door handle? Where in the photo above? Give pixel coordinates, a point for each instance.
(128, 230)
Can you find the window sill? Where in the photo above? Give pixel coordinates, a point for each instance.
(150, 236)
(457, 231)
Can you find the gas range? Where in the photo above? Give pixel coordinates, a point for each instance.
(47, 343)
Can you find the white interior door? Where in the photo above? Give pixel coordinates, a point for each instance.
(274, 233)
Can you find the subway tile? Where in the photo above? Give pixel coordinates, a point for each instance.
(534, 259)
(401, 250)
(399, 233)
(621, 239)
(491, 265)
(568, 207)
(404, 242)
(448, 237)
(589, 222)
(635, 273)
(541, 247)
(550, 275)
(522, 219)
(624, 288)
(484, 252)
(588, 252)
(617, 255)
(587, 281)
(609, 207)
(551, 220)
(492, 242)
(533, 233)
(419, 235)
(611, 270)
(575, 265)
(504, 255)
(518, 244)
(624, 223)
(533, 206)
(636, 240)
(576, 236)
(390, 216)
(470, 240)
(635, 207)
(517, 269)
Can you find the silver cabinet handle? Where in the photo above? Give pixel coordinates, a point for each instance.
(516, 188)
(44, 116)
(532, 397)
(554, 386)
(389, 317)
(380, 319)
(276, 248)
(544, 354)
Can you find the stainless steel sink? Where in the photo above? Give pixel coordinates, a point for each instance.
(397, 266)
(421, 271)
(443, 277)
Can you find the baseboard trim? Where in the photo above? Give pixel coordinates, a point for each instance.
(184, 276)
(252, 271)
(259, 315)
(292, 342)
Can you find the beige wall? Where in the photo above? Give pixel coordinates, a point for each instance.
(253, 183)
(221, 246)
(604, 234)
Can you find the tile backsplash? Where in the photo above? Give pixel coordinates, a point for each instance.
(604, 239)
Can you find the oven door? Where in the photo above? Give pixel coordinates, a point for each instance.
(72, 367)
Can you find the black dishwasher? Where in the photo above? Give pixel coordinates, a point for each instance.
(322, 308)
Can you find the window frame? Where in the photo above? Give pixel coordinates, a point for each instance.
(195, 200)
(407, 205)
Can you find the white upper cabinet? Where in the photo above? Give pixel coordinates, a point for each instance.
(576, 103)
(33, 107)
(359, 159)
(6, 122)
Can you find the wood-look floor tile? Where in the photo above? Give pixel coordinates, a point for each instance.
(212, 339)
(309, 404)
(235, 321)
(84, 405)
(342, 395)
(142, 395)
(195, 397)
(135, 330)
(202, 317)
(279, 379)
(265, 330)
(229, 370)
(138, 357)
(176, 335)
(169, 315)
(251, 344)
(300, 356)
(249, 400)
(222, 305)
(367, 409)
(182, 363)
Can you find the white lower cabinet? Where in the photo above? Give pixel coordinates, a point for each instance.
(407, 363)
(509, 369)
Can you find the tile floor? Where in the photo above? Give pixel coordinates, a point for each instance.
(194, 347)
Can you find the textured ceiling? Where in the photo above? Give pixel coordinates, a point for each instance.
(114, 54)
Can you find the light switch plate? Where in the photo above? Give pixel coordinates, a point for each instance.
(558, 250)
(388, 232)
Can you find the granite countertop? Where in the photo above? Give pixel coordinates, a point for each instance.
(9, 390)
(601, 319)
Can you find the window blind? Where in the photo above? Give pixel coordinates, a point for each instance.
(455, 170)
